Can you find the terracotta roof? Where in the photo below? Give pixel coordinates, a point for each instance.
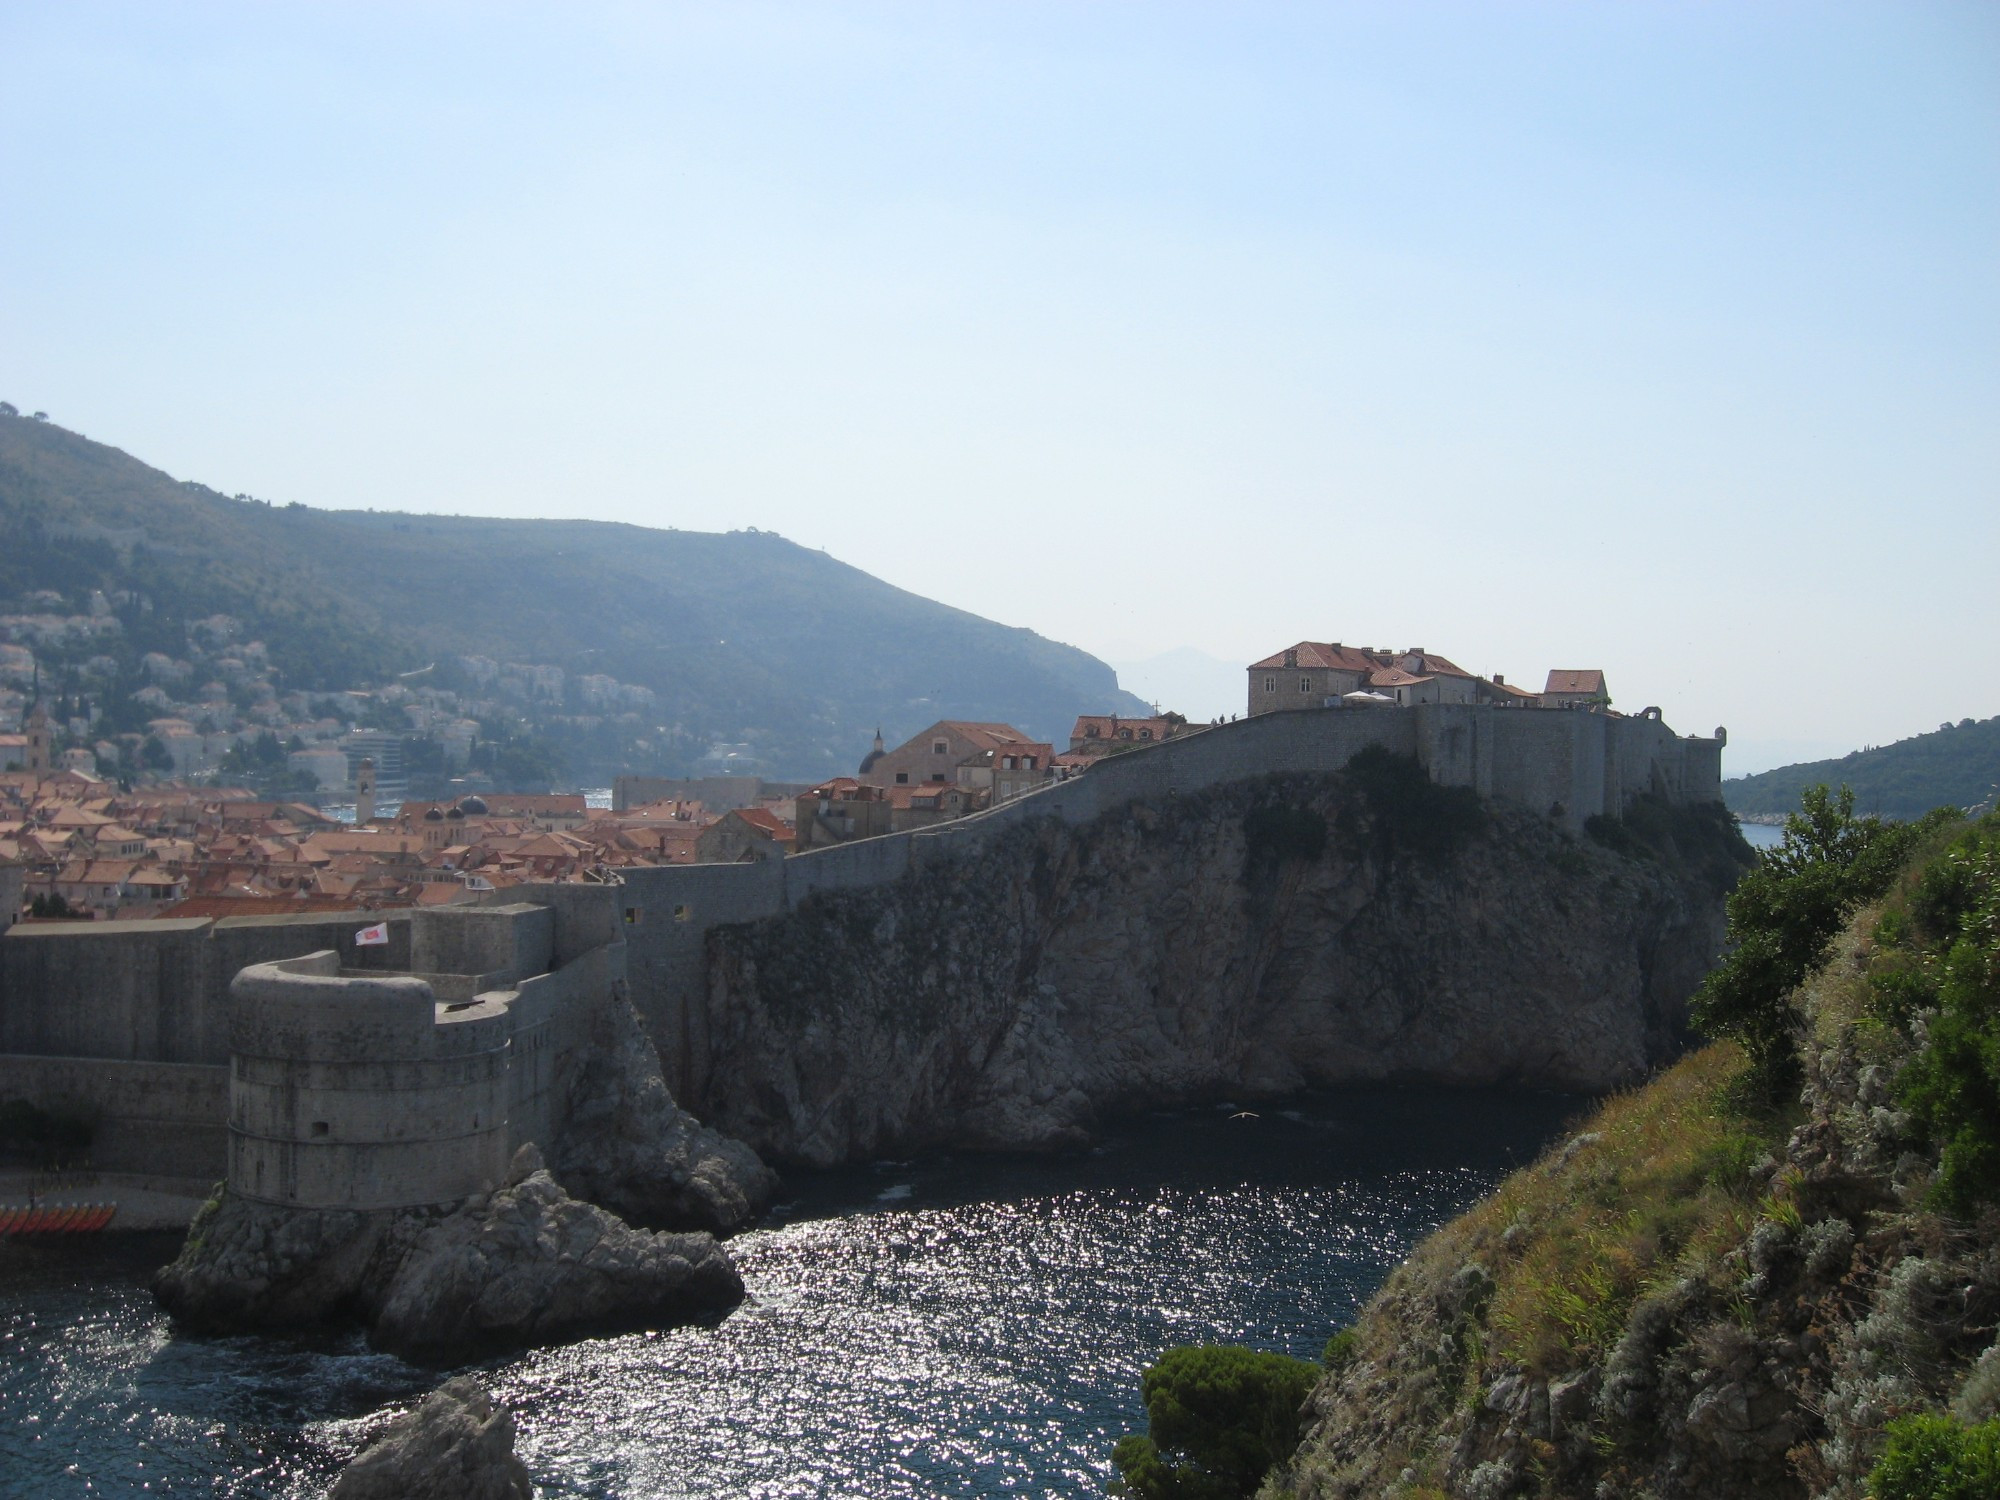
(1590, 680)
(767, 823)
(1323, 656)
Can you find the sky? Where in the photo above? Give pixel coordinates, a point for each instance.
(1661, 338)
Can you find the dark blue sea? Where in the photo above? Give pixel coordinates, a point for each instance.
(949, 1326)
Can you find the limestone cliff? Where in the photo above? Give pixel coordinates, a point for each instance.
(626, 1145)
(1242, 941)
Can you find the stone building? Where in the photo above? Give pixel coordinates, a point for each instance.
(1315, 674)
(837, 812)
(935, 755)
(1576, 689)
(1100, 734)
(744, 833)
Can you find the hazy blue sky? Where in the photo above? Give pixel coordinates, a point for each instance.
(1662, 338)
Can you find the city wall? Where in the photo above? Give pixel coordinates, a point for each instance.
(133, 1020)
(1567, 764)
(149, 1028)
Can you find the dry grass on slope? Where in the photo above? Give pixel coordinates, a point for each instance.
(1541, 1278)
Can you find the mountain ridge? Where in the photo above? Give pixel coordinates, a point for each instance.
(744, 637)
(1954, 765)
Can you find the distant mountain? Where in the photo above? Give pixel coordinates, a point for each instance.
(745, 639)
(1956, 765)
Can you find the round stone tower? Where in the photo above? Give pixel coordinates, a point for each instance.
(362, 1091)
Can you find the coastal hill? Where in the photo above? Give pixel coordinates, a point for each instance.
(745, 638)
(1955, 765)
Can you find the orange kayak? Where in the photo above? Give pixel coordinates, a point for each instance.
(56, 1218)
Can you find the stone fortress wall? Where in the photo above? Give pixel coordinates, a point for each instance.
(1568, 764)
(204, 1042)
(319, 1071)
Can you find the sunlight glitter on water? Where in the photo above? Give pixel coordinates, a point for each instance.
(981, 1333)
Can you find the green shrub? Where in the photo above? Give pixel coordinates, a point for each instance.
(1936, 1458)
(1341, 1350)
(1218, 1417)
(1702, 839)
(1410, 811)
(1783, 917)
(1946, 956)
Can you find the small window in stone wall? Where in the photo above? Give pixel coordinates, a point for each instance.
(1270, 684)
(683, 913)
(632, 915)
(320, 1128)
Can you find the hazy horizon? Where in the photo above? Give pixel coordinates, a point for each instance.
(1654, 338)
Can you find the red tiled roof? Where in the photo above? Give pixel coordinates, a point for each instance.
(1590, 680)
(1322, 656)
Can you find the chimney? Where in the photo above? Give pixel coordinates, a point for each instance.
(1498, 680)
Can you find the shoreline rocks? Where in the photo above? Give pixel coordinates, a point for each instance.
(522, 1266)
(456, 1446)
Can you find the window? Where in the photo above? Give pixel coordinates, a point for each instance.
(631, 916)
(1124, 734)
(1090, 731)
(1145, 734)
(1305, 684)
(940, 747)
(937, 776)
(683, 913)
(1270, 684)
(902, 778)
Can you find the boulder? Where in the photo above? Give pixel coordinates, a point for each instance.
(525, 1265)
(456, 1446)
(536, 1266)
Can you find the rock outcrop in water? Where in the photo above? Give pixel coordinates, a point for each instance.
(1248, 940)
(456, 1446)
(525, 1265)
(625, 1143)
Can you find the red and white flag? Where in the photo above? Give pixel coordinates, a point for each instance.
(379, 933)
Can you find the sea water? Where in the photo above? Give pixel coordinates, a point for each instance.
(959, 1325)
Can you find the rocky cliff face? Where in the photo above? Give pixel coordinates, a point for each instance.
(626, 1145)
(1249, 940)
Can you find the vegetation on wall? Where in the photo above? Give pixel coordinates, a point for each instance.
(1701, 838)
(1407, 811)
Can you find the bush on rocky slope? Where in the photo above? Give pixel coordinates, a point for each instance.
(1700, 1294)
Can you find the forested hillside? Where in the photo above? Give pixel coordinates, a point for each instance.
(744, 638)
(1956, 765)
